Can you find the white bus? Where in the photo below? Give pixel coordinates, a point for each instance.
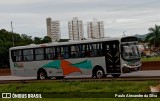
(97, 58)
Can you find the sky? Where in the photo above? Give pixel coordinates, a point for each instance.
(120, 17)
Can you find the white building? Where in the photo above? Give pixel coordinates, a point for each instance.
(95, 29)
(75, 28)
(53, 29)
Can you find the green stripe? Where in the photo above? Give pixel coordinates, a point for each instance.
(84, 64)
(55, 64)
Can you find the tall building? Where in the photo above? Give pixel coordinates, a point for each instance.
(53, 29)
(95, 29)
(75, 28)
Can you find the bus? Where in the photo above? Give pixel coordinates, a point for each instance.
(96, 58)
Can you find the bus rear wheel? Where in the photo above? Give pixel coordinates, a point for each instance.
(42, 75)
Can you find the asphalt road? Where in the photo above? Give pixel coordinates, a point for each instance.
(149, 73)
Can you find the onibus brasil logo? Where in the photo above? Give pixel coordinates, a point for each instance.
(24, 95)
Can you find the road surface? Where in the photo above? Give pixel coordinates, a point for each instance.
(150, 73)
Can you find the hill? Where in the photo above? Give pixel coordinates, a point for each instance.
(141, 36)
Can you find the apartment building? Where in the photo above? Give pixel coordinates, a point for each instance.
(75, 29)
(53, 29)
(95, 29)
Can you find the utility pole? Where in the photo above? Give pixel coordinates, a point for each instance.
(12, 34)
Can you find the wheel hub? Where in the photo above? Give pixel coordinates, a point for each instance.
(42, 76)
(99, 74)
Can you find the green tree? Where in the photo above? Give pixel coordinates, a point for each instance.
(6, 41)
(46, 39)
(153, 36)
(37, 40)
(26, 39)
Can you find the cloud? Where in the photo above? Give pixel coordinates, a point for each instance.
(17, 2)
(126, 20)
(29, 16)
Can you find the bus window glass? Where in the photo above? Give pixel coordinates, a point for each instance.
(94, 51)
(28, 55)
(17, 56)
(107, 47)
(74, 52)
(89, 50)
(99, 49)
(81, 50)
(58, 53)
(39, 54)
(130, 52)
(64, 52)
(50, 53)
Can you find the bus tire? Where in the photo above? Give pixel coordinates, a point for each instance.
(98, 72)
(116, 75)
(42, 75)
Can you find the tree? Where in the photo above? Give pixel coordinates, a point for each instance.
(26, 39)
(6, 41)
(46, 39)
(37, 40)
(140, 40)
(154, 36)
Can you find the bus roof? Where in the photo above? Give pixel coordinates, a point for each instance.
(65, 43)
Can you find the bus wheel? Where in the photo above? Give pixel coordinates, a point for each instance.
(99, 73)
(42, 75)
(116, 75)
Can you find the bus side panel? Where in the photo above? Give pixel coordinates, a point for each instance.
(77, 66)
(66, 67)
(29, 68)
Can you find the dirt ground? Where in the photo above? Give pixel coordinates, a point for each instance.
(153, 65)
(5, 72)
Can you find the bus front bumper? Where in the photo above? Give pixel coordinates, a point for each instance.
(128, 70)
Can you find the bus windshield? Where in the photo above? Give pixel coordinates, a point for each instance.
(130, 51)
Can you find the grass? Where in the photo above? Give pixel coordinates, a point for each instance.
(87, 99)
(151, 59)
(76, 87)
(113, 86)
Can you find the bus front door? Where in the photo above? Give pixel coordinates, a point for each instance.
(112, 57)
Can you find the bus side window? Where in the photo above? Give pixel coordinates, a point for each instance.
(74, 51)
(50, 53)
(59, 56)
(87, 52)
(17, 56)
(81, 50)
(25, 59)
(14, 58)
(66, 55)
(39, 54)
(58, 53)
(72, 54)
(64, 52)
(29, 54)
(99, 49)
(94, 50)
